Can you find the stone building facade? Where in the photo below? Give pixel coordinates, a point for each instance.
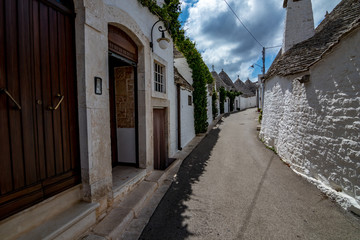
(312, 98)
(124, 103)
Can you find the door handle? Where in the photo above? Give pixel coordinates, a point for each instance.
(3, 90)
(57, 105)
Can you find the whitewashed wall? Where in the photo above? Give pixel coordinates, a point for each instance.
(187, 112)
(316, 126)
(226, 105)
(187, 118)
(299, 23)
(184, 69)
(246, 103)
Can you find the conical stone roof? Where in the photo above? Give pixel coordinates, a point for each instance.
(226, 79)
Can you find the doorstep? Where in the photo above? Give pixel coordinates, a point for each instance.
(63, 216)
(125, 179)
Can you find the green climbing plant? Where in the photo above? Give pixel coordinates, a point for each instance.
(222, 93)
(201, 75)
(214, 97)
(231, 95)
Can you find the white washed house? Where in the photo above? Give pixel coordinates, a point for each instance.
(185, 106)
(95, 97)
(312, 96)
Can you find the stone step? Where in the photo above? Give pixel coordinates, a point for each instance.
(69, 224)
(137, 225)
(123, 212)
(32, 217)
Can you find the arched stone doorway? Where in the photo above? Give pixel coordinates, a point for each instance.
(38, 103)
(123, 58)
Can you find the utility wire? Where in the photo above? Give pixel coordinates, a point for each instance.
(243, 24)
(273, 47)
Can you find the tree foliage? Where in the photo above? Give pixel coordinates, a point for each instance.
(222, 99)
(215, 110)
(231, 95)
(201, 75)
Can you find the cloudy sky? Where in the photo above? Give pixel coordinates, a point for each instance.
(223, 41)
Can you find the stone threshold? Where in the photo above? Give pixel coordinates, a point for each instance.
(125, 179)
(63, 216)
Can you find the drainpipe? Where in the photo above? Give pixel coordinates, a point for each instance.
(179, 116)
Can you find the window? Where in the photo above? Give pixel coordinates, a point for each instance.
(159, 78)
(189, 100)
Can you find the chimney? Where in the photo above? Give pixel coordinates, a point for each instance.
(299, 22)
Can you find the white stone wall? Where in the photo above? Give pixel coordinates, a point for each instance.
(315, 126)
(187, 112)
(226, 105)
(246, 103)
(187, 118)
(299, 23)
(184, 69)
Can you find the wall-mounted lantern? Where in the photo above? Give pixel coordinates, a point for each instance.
(163, 41)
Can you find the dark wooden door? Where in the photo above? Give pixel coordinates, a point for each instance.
(39, 142)
(160, 143)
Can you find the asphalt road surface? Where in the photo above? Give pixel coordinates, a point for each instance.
(232, 187)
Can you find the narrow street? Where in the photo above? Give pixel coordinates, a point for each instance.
(232, 187)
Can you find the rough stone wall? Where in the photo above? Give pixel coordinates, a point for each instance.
(124, 97)
(315, 126)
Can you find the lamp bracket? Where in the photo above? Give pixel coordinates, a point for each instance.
(161, 29)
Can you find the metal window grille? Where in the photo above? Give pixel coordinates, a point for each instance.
(159, 78)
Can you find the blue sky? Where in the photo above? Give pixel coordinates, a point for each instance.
(224, 43)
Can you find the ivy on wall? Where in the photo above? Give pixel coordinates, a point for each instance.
(231, 95)
(222, 99)
(214, 97)
(201, 75)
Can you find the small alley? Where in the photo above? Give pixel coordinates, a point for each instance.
(232, 187)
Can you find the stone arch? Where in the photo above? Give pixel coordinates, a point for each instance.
(141, 85)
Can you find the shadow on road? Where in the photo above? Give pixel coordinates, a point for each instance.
(251, 208)
(167, 221)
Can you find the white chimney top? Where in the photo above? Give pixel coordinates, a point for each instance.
(299, 22)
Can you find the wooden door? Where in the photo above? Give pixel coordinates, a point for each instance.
(160, 143)
(39, 143)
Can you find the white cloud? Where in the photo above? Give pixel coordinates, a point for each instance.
(183, 5)
(225, 43)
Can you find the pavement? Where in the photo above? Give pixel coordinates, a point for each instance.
(232, 187)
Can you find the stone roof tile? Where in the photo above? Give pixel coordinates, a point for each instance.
(226, 79)
(344, 18)
(218, 81)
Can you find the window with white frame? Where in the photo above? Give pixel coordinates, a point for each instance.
(159, 77)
